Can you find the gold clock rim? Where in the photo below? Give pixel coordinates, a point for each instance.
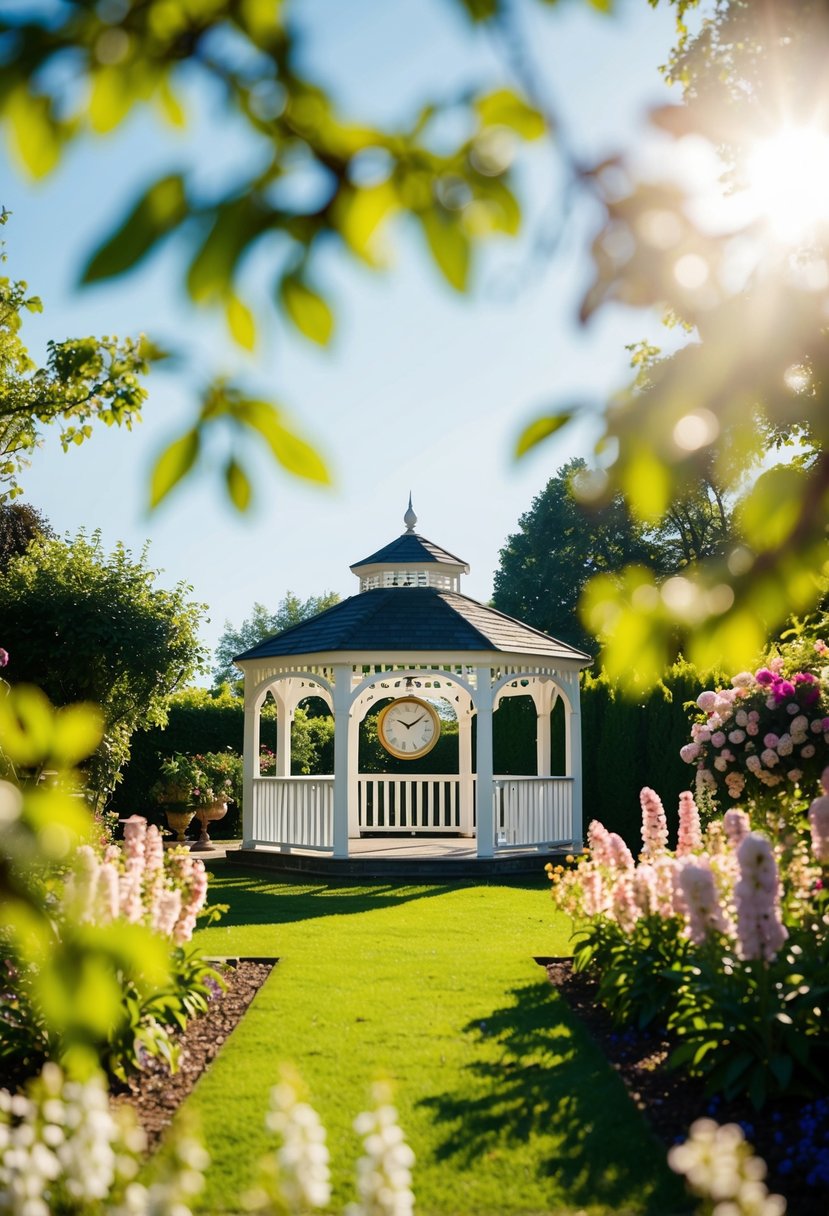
(389, 747)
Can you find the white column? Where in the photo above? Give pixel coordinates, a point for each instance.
(284, 717)
(544, 699)
(250, 768)
(466, 792)
(353, 768)
(484, 702)
(342, 706)
(572, 743)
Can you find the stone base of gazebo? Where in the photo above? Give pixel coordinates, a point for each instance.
(433, 859)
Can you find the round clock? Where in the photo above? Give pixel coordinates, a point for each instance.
(408, 728)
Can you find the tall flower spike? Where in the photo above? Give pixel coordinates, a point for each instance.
(654, 823)
(689, 839)
(760, 930)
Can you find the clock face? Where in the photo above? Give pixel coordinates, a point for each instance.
(408, 728)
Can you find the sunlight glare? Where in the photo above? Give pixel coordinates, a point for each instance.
(788, 181)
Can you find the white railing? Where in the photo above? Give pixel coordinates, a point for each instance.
(294, 811)
(428, 804)
(532, 811)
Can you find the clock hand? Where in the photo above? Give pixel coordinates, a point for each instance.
(408, 725)
(411, 724)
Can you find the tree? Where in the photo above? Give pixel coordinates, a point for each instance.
(20, 524)
(86, 625)
(755, 303)
(560, 544)
(262, 624)
(83, 380)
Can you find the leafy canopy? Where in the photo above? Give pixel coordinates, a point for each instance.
(353, 177)
(93, 626)
(84, 380)
(261, 624)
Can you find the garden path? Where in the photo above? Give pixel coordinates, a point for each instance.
(508, 1105)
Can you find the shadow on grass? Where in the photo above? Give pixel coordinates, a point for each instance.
(551, 1077)
(256, 899)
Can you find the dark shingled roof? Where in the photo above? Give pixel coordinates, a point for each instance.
(410, 548)
(411, 618)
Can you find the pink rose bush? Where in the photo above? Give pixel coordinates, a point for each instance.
(768, 732)
(726, 920)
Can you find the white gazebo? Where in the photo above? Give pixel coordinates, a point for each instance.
(411, 637)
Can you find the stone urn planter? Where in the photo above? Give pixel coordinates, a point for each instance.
(179, 819)
(205, 815)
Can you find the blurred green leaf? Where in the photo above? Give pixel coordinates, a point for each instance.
(240, 322)
(506, 109)
(158, 212)
(359, 215)
(238, 485)
(237, 222)
(35, 141)
(538, 430)
(307, 309)
(646, 482)
(26, 726)
(110, 98)
(770, 510)
(449, 245)
(292, 452)
(78, 729)
(173, 463)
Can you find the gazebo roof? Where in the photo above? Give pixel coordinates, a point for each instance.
(414, 618)
(411, 549)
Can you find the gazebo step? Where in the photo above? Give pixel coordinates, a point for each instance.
(432, 869)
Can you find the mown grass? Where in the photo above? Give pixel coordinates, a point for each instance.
(508, 1106)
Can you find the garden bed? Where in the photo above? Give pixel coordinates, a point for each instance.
(791, 1136)
(155, 1093)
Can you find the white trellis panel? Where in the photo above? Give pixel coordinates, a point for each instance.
(532, 811)
(425, 804)
(296, 811)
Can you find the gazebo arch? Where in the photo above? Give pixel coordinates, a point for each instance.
(409, 632)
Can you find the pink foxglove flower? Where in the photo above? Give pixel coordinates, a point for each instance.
(624, 909)
(819, 828)
(690, 832)
(760, 930)
(702, 902)
(595, 896)
(597, 836)
(654, 823)
(737, 826)
(618, 854)
(645, 889)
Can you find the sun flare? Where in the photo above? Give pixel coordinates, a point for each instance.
(788, 182)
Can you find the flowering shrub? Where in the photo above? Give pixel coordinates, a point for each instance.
(769, 731)
(141, 885)
(724, 938)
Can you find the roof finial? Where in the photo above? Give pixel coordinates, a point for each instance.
(410, 519)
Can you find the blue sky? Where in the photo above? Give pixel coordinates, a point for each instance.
(422, 389)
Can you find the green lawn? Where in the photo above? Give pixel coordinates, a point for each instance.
(507, 1105)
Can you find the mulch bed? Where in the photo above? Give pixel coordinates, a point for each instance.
(671, 1101)
(156, 1094)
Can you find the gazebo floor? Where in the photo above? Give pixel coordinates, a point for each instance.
(432, 858)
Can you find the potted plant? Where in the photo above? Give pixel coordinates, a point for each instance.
(198, 786)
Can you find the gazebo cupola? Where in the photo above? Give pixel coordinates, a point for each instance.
(410, 561)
